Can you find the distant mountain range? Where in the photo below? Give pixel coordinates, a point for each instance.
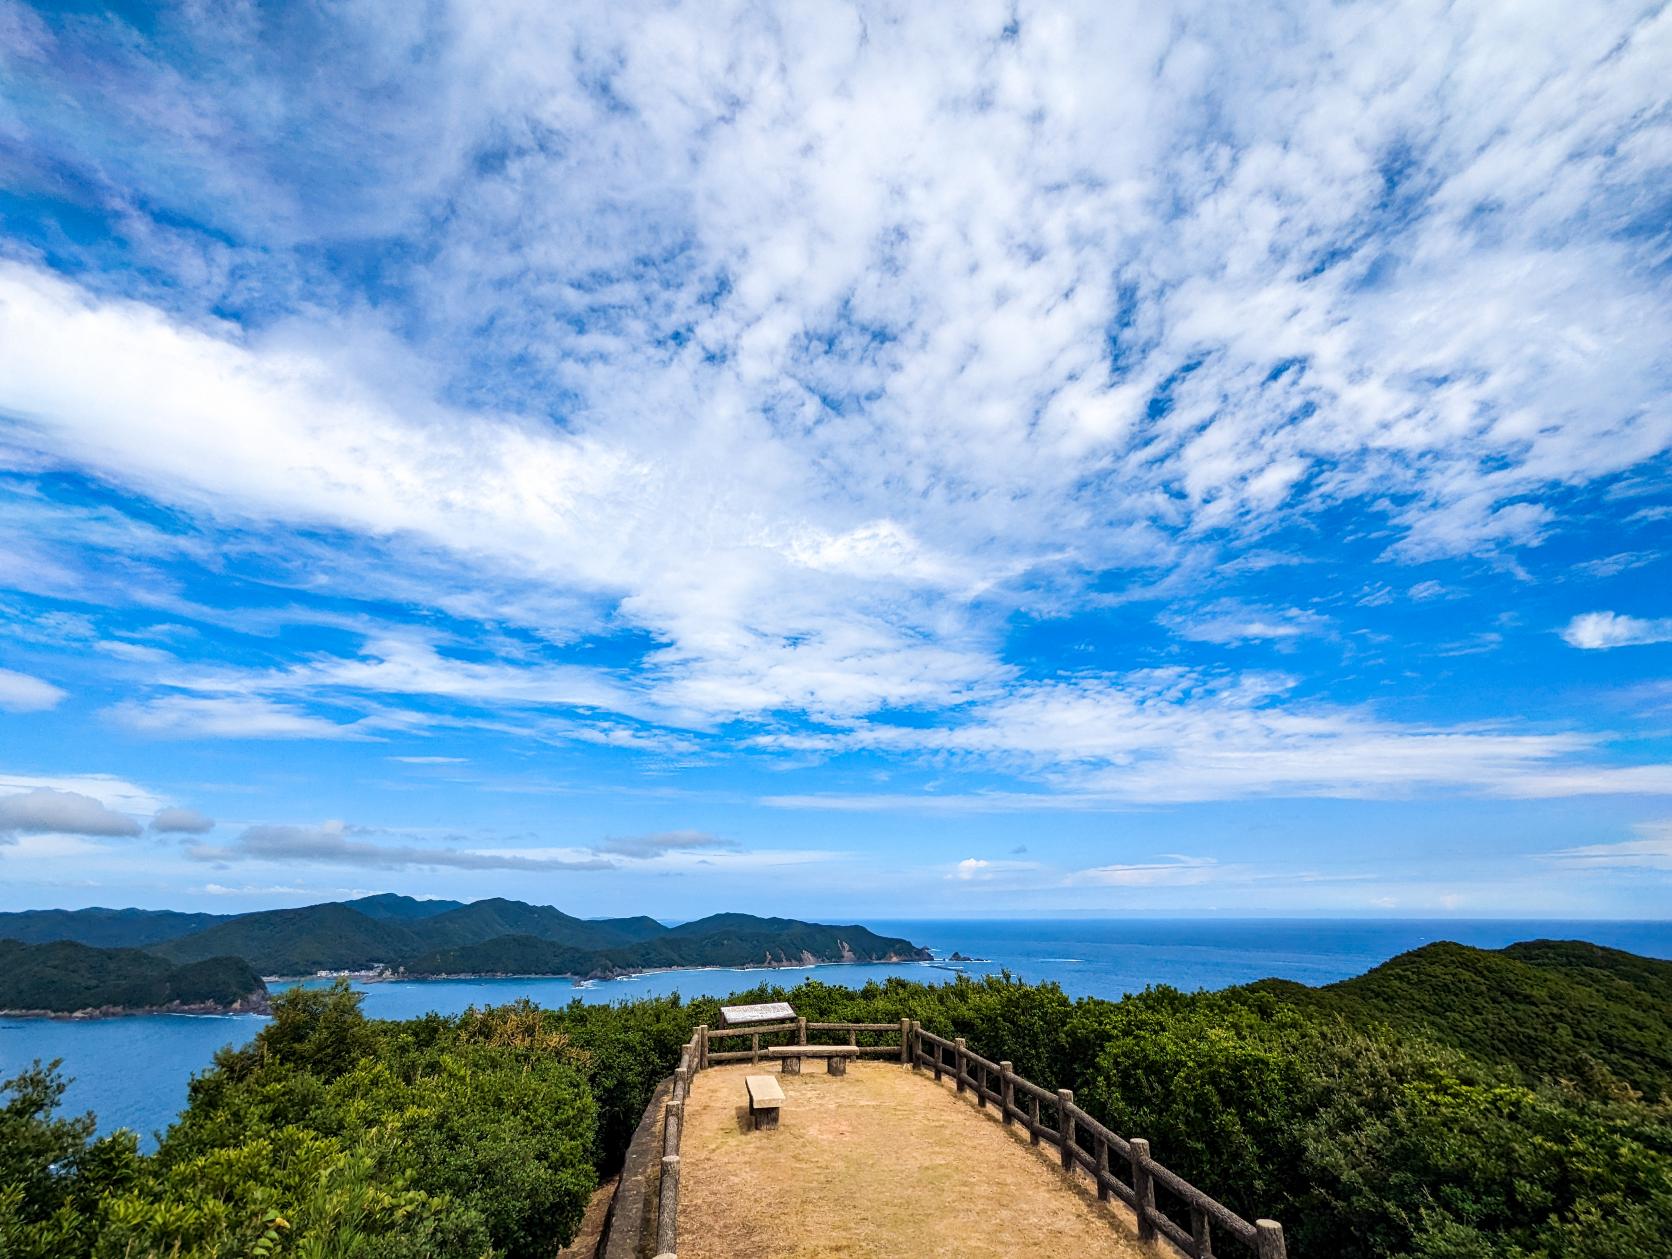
(427, 938)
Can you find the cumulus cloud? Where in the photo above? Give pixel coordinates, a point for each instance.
(1600, 631)
(109, 790)
(861, 349)
(44, 811)
(986, 870)
(848, 331)
(20, 693)
(333, 843)
(177, 821)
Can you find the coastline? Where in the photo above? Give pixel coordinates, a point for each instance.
(254, 1004)
(386, 976)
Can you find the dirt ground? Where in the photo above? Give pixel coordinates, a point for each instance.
(881, 1162)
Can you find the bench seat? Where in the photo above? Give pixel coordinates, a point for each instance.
(765, 1099)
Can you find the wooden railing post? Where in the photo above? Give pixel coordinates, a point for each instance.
(801, 1030)
(681, 1084)
(1201, 1232)
(1143, 1189)
(1268, 1239)
(1033, 1124)
(702, 1046)
(905, 1042)
(958, 1061)
(1102, 1168)
(940, 1060)
(755, 1048)
(1007, 1090)
(672, 1119)
(1065, 1126)
(667, 1207)
(981, 1081)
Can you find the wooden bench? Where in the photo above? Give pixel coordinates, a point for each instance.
(765, 1097)
(835, 1057)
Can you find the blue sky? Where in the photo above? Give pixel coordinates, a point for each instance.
(862, 461)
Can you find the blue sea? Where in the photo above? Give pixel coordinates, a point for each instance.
(132, 1072)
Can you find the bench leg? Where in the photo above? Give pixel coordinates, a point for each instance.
(766, 1117)
(792, 1066)
(836, 1064)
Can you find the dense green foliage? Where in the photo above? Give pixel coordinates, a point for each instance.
(66, 977)
(725, 941)
(1363, 1124)
(329, 1135)
(494, 936)
(102, 928)
(1553, 1007)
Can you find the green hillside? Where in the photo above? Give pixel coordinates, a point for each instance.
(740, 940)
(499, 936)
(300, 941)
(392, 907)
(1557, 1009)
(64, 977)
(103, 928)
(496, 917)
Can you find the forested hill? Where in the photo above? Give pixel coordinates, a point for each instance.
(64, 977)
(495, 936)
(1557, 1009)
(102, 928)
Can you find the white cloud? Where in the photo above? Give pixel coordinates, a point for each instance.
(176, 821)
(44, 811)
(20, 693)
(1599, 631)
(1180, 735)
(985, 870)
(1232, 621)
(333, 843)
(1651, 852)
(1395, 275)
(1173, 871)
(936, 325)
(642, 847)
(109, 790)
(192, 717)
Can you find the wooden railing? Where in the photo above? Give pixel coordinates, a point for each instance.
(1017, 1099)
(673, 1125)
(970, 1070)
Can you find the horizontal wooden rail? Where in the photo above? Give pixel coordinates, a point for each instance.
(764, 1029)
(1088, 1144)
(1051, 1117)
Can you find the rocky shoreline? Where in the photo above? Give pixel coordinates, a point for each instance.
(255, 1003)
(806, 960)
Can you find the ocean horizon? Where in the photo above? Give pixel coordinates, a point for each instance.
(133, 1071)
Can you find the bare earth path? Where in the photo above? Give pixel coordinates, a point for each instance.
(880, 1163)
